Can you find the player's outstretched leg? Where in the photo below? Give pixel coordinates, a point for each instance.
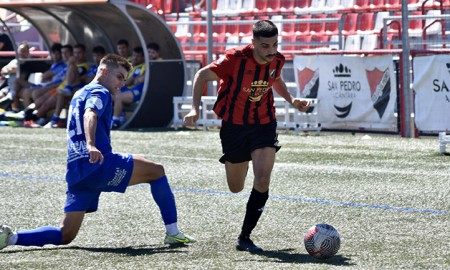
(37, 237)
(164, 198)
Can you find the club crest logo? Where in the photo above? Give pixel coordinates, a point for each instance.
(380, 89)
(257, 90)
(342, 71)
(344, 89)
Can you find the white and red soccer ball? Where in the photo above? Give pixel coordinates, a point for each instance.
(322, 241)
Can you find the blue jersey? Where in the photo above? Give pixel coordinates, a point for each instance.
(97, 97)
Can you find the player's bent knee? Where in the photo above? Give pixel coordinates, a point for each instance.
(67, 238)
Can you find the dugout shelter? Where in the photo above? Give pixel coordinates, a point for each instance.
(103, 22)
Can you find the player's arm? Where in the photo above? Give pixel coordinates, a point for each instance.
(47, 75)
(202, 76)
(90, 127)
(280, 86)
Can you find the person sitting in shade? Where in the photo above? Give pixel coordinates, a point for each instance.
(132, 91)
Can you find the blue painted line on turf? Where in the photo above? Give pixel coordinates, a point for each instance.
(273, 197)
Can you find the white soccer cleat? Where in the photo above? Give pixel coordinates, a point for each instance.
(5, 234)
(180, 238)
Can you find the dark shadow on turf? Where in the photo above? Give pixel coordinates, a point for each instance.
(128, 251)
(285, 256)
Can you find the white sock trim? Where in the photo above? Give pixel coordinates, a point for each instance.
(13, 239)
(172, 229)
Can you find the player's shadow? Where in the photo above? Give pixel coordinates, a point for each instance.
(285, 256)
(134, 250)
(128, 251)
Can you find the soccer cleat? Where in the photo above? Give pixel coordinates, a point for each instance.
(180, 238)
(5, 234)
(31, 124)
(246, 244)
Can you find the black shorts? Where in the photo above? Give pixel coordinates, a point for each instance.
(239, 141)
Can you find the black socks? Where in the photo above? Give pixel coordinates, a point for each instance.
(255, 207)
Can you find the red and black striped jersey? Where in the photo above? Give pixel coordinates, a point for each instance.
(245, 94)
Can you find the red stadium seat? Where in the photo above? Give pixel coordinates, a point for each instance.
(219, 28)
(393, 4)
(415, 25)
(304, 38)
(366, 22)
(350, 23)
(273, 6)
(289, 38)
(303, 27)
(289, 27)
(320, 41)
(332, 28)
(287, 6)
(198, 28)
(378, 5)
(361, 5)
(318, 27)
(233, 29)
(302, 4)
(246, 29)
(219, 42)
(260, 7)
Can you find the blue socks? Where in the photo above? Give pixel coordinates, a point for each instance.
(163, 196)
(39, 237)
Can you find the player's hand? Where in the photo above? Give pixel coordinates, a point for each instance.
(300, 104)
(191, 118)
(95, 155)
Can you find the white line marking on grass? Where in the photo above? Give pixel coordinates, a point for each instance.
(272, 197)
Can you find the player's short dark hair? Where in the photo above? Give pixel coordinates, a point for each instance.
(123, 42)
(99, 50)
(153, 46)
(264, 28)
(80, 46)
(67, 46)
(56, 47)
(138, 49)
(112, 60)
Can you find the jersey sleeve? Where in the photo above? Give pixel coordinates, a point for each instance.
(223, 66)
(98, 101)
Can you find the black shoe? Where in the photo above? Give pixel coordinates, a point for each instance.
(245, 244)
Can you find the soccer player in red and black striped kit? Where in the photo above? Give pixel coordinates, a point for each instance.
(245, 105)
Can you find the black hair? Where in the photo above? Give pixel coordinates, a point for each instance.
(67, 46)
(153, 46)
(264, 28)
(56, 47)
(99, 50)
(80, 46)
(123, 42)
(138, 49)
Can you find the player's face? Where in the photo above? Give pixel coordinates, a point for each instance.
(79, 54)
(66, 54)
(138, 58)
(122, 50)
(97, 58)
(57, 56)
(265, 49)
(152, 54)
(115, 79)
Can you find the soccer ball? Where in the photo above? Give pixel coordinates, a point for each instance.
(322, 241)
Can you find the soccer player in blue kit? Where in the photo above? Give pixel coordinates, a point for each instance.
(92, 167)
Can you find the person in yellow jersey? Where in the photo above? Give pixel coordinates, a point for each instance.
(132, 91)
(77, 68)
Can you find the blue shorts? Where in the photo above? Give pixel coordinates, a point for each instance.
(112, 176)
(135, 90)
